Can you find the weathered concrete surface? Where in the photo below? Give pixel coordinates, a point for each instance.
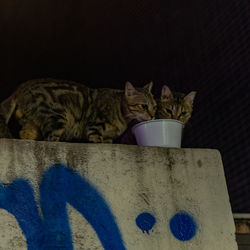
(177, 196)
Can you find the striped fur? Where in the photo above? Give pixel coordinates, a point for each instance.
(173, 105)
(59, 110)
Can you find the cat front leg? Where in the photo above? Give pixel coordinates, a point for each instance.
(53, 128)
(108, 140)
(55, 135)
(95, 138)
(95, 132)
(101, 132)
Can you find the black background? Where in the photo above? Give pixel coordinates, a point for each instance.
(188, 45)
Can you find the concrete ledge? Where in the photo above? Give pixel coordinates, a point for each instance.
(104, 196)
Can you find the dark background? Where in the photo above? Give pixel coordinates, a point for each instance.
(188, 45)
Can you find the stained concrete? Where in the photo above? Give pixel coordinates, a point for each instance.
(132, 180)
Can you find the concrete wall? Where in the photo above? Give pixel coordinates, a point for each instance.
(114, 197)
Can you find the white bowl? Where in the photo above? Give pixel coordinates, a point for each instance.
(160, 132)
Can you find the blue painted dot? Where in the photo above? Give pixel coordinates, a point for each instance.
(145, 221)
(183, 226)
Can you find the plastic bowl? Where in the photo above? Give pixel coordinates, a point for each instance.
(160, 132)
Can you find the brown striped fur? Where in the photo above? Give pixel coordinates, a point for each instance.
(58, 110)
(174, 105)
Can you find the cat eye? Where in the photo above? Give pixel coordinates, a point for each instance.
(183, 113)
(144, 106)
(169, 111)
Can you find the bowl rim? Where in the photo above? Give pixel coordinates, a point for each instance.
(156, 120)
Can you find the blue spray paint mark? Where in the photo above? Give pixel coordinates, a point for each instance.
(145, 221)
(70, 187)
(18, 199)
(59, 185)
(183, 226)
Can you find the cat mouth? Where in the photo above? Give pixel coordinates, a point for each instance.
(142, 119)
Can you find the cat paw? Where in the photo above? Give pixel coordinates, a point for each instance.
(52, 137)
(108, 140)
(29, 134)
(96, 138)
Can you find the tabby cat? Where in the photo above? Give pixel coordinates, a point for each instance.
(174, 105)
(170, 105)
(58, 110)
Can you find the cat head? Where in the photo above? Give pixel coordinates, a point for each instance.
(139, 103)
(176, 106)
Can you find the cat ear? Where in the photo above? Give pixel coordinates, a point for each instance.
(149, 86)
(189, 98)
(129, 89)
(166, 93)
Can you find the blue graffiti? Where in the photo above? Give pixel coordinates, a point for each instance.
(183, 226)
(18, 199)
(145, 221)
(59, 185)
